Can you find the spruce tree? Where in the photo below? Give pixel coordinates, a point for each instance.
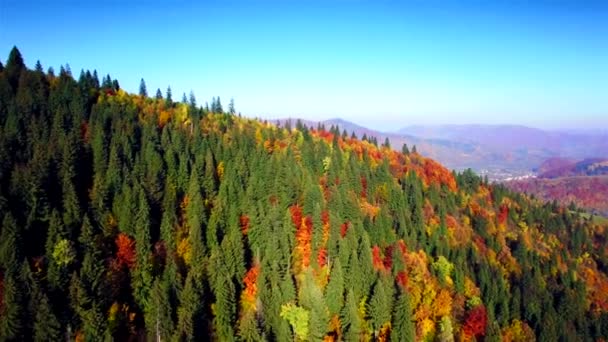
(403, 328)
(143, 92)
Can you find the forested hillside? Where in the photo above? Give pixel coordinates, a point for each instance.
(133, 217)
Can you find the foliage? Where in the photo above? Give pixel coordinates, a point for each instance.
(126, 217)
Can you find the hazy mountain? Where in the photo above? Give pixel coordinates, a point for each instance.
(527, 143)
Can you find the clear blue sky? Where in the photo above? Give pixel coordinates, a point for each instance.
(384, 64)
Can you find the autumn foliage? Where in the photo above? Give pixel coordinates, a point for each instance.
(302, 252)
(125, 250)
(248, 297)
(475, 323)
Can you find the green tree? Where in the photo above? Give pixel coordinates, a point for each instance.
(142, 273)
(380, 305)
(46, 326)
(403, 328)
(334, 294)
(142, 88)
(14, 67)
(10, 310)
(351, 322)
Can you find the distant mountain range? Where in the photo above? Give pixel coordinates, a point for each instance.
(501, 151)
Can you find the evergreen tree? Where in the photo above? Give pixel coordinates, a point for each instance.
(46, 326)
(14, 67)
(380, 305)
(10, 310)
(159, 316)
(403, 328)
(168, 98)
(351, 322)
(142, 274)
(142, 88)
(231, 109)
(334, 294)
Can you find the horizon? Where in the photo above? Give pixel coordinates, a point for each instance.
(383, 65)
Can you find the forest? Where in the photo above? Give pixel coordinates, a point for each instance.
(132, 217)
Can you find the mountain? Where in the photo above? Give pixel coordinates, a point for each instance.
(127, 217)
(513, 148)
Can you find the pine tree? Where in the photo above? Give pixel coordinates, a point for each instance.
(9, 244)
(168, 98)
(142, 274)
(158, 315)
(142, 88)
(231, 109)
(10, 310)
(403, 328)
(334, 294)
(46, 326)
(159, 94)
(380, 304)
(189, 310)
(351, 322)
(14, 67)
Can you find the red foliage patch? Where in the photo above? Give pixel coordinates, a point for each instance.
(388, 257)
(325, 217)
(251, 288)
(125, 250)
(363, 187)
(344, 229)
(503, 214)
(250, 280)
(322, 257)
(303, 236)
(402, 279)
(451, 222)
(244, 222)
(377, 258)
(296, 215)
(475, 323)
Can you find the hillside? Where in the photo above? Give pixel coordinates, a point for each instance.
(584, 183)
(131, 217)
(589, 192)
(587, 167)
(499, 151)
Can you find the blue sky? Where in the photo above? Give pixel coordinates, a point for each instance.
(383, 64)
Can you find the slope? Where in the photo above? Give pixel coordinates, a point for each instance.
(130, 217)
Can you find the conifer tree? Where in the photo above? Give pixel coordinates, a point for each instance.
(142, 274)
(351, 322)
(403, 328)
(143, 92)
(11, 309)
(46, 326)
(334, 294)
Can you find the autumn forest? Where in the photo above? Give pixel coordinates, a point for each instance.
(134, 217)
